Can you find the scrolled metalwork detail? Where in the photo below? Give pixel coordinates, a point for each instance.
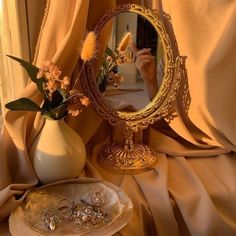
(118, 156)
(125, 160)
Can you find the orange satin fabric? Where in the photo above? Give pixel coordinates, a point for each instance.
(192, 189)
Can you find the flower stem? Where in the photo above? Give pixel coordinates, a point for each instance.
(79, 75)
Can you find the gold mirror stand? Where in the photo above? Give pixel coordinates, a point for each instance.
(127, 157)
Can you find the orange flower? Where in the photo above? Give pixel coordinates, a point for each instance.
(51, 86)
(73, 111)
(85, 101)
(65, 82)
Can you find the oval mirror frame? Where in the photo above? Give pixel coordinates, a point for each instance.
(161, 105)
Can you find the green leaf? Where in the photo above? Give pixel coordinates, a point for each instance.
(99, 76)
(64, 94)
(105, 64)
(46, 104)
(56, 107)
(110, 53)
(23, 104)
(57, 112)
(102, 86)
(31, 71)
(57, 100)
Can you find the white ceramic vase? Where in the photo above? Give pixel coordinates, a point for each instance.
(58, 153)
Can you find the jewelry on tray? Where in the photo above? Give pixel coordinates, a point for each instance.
(98, 199)
(88, 214)
(50, 218)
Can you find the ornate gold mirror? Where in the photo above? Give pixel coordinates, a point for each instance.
(121, 91)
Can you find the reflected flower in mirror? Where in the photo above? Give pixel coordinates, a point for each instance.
(59, 98)
(108, 75)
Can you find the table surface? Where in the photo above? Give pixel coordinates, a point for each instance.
(127, 95)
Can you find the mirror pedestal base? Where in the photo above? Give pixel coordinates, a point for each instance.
(125, 159)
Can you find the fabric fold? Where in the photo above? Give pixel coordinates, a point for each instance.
(158, 197)
(191, 190)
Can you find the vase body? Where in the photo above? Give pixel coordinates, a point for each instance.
(58, 153)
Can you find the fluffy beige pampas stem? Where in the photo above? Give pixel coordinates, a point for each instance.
(89, 47)
(124, 42)
(88, 51)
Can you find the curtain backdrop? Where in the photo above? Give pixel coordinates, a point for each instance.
(191, 190)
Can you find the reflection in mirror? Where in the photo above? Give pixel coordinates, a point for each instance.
(132, 68)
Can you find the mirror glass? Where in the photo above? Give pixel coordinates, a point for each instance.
(133, 63)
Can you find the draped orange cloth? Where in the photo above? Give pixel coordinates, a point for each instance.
(192, 188)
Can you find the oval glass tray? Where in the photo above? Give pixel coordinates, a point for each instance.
(29, 217)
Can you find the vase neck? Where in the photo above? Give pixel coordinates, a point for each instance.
(55, 123)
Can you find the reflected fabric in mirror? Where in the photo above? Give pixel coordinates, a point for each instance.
(132, 64)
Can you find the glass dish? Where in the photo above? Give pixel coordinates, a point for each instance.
(27, 218)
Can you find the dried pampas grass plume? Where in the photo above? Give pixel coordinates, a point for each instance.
(124, 42)
(89, 47)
